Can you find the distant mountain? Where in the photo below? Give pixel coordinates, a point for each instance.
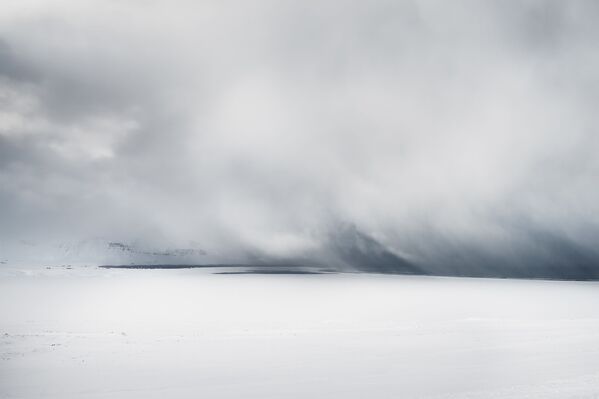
(533, 254)
(98, 250)
(357, 250)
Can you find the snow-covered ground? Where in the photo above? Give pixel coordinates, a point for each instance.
(86, 332)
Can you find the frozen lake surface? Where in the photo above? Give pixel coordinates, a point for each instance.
(108, 333)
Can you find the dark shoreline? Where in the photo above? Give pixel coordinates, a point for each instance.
(307, 270)
(189, 266)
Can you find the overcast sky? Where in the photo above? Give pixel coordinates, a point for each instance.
(442, 129)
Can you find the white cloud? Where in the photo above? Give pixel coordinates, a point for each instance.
(265, 125)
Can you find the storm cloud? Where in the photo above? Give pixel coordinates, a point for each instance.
(434, 137)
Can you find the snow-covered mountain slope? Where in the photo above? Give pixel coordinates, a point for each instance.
(99, 251)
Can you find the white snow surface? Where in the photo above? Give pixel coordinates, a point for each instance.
(86, 332)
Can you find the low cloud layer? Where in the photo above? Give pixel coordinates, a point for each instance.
(456, 137)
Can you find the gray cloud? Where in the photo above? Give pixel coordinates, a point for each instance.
(458, 138)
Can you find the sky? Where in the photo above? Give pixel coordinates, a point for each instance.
(457, 137)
